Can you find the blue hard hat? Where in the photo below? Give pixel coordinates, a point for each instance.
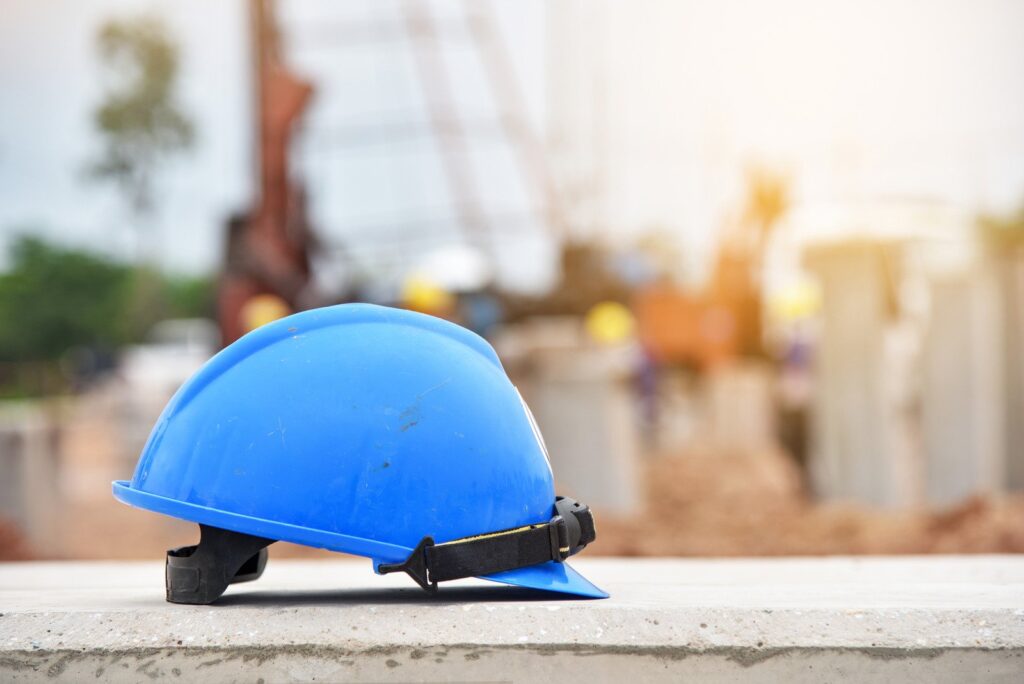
(362, 429)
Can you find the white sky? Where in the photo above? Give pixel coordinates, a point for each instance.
(49, 80)
(854, 99)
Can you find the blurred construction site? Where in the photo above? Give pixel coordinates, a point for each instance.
(757, 270)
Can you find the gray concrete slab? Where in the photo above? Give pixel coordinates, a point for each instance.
(870, 619)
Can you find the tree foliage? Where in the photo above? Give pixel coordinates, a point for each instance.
(53, 299)
(139, 119)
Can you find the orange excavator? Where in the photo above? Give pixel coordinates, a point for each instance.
(724, 320)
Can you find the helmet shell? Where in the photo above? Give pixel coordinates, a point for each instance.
(356, 428)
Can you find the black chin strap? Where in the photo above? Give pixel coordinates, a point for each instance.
(571, 529)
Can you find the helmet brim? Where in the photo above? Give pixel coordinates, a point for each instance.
(550, 576)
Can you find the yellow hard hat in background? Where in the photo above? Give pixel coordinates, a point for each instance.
(610, 323)
(797, 300)
(263, 309)
(425, 296)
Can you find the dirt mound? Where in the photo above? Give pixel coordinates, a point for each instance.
(754, 504)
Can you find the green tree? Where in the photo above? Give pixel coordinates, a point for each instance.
(155, 296)
(190, 296)
(139, 119)
(52, 299)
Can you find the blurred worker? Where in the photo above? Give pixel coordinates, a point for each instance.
(426, 296)
(262, 309)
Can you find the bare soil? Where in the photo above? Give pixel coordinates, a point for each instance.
(754, 504)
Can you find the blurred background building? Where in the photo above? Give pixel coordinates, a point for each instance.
(758, 269)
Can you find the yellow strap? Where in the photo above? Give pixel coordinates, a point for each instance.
(492, 534)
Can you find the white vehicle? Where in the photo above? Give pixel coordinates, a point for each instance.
(176, 349)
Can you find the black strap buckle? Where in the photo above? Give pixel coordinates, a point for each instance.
(570, 517)
(558, 533)
(416, 565)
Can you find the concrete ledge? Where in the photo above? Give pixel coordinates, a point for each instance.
(922, 619)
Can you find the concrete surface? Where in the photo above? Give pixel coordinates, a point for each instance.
(933, 619)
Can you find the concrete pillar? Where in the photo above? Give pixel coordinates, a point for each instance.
(854, 452)
(1009, 268)
(582, 397)
(962, 398)
(585, 407)
(740, 406)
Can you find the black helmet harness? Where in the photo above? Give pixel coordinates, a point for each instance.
(199, 574)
